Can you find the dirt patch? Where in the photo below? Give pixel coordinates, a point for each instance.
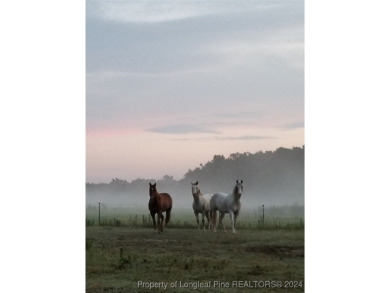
(286, 251)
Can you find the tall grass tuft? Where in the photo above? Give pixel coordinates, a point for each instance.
(124, 261)
(90, 222)
(88, 244)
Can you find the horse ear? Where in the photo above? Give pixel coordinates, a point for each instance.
(237, 181)
(242, 181)
(150, 184)
(196, 183)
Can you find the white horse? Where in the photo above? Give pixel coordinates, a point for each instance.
(226, 203)
(201, 204)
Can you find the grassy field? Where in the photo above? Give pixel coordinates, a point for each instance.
(133, 257)
(285, 217)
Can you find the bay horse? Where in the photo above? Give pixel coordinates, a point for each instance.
(226, 203)
(159, 203)
(201, 205)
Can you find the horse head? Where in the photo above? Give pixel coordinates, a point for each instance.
(239, 188)
(152, 189)
(195, 189)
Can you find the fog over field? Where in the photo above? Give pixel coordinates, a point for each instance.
(270, 178)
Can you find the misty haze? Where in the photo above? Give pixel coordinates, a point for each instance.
(270, 178)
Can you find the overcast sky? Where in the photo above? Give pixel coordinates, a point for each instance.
(172, 83)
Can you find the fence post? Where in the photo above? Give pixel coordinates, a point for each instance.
(99, 213)
(263, 215)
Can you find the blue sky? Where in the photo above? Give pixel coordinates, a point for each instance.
(176, 82)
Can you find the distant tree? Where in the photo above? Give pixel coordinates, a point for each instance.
(168, 178)
(118, 185)
(275, 174)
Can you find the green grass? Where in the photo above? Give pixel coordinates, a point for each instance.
(117, 257)
(287, 217)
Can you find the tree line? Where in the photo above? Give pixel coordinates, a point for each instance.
(273, 176)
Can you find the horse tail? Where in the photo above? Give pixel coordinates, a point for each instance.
(168, 216)
(212, 212)
(168, 213)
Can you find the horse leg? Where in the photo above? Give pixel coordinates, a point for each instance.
(161, 218)
(223, 226)
(221, 215)
(231, 214)
(235, 218)
(211, 220)
(158, 222)
(197, 218)
(153, 215)
(208, 219)
(214, 220)
(204, 228)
